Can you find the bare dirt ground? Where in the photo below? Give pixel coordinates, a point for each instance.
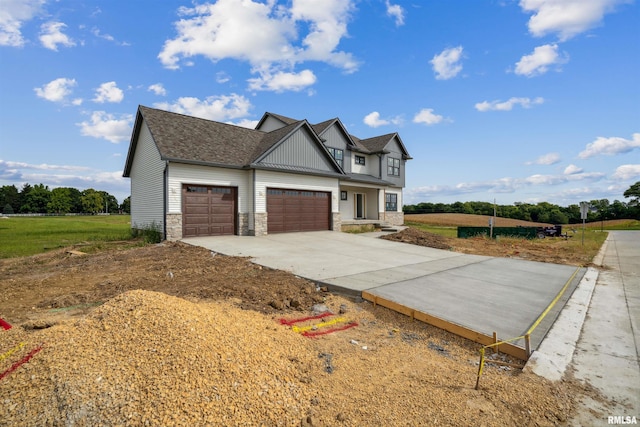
(172, 334)
(556, 251)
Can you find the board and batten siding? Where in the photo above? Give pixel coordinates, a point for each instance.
(147, 183)
(180, 173)
(395, 151)
(271, 179)
(299, 150)
(334, 138)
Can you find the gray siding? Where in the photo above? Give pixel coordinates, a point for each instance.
(147, 183)
(299, 150)
(271, 124)
(396, 152)
(334, 138)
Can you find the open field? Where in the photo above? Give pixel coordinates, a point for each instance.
(23, 236)
(440, 231)
(466, 220)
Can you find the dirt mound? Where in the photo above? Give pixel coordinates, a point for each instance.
(421, 238)
(149, 358)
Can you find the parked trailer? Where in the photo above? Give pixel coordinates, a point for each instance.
(554, 231)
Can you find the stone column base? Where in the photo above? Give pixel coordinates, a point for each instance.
(260, 224)
(336, 221)
(174, 226)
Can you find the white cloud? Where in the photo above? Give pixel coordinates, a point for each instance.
(222, 77)
(80, 177)
(108, 92)
(567, 18)
(507, 105)
(42, 166)
(51, 36)
(428, 117)
(625, 172)
(107, 126)
(245, 123)
(219, 108)
(13, 14)
(373, 119)
(395, 11)
(500, 185)
(57, 90)
(572, 169)
(446, 64)
(282, 81)
(540, 60)
(610, 146)
(547, 159)
(108, 37)
(158, 89)
(267, 35)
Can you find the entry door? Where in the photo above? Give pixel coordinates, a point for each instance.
(360, 209)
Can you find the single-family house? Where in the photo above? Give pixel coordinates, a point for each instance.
(197, 177)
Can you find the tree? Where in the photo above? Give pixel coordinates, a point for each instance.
(111, 203)
(633, 192)
(60, 201)
(126, 205)
(9, 197)
(35, 199)
(92, 201)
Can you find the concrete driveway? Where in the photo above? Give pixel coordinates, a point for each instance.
(485, 294)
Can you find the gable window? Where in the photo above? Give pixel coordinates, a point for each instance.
(338, 155)
(360, 160)
(393, 166)
(391, 202)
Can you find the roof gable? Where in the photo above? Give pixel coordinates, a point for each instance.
(271, 119)
(380, 144)
(297, 147)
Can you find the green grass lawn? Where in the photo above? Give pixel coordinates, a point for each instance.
(23, 236)
(435, 229)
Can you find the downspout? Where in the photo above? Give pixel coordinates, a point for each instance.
(165, 194)
(253, 208)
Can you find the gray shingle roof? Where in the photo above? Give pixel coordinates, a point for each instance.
(188, 139)
(180, 137)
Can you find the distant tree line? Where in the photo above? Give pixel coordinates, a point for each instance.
(62, 200)
(542, 212)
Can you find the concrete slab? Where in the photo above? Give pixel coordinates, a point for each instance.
(484, 294)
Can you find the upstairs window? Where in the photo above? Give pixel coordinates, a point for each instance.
(391, 202)
(360, 160)
(393, 166)
(338, 155)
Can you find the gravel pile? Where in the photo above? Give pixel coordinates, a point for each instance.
(146, 358)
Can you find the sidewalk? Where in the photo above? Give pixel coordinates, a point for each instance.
(604, 351)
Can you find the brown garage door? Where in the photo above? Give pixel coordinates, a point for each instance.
(297, 210)
(208, 211)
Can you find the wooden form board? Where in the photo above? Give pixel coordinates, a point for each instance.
(470, 334)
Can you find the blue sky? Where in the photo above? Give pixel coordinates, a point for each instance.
(517, 101)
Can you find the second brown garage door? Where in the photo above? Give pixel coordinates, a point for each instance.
(297, 210)
(208, 211)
